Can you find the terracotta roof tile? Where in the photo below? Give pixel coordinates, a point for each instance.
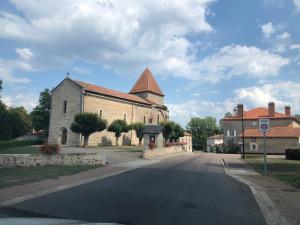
(146, 82)
(109, 92)
(257, 113)
(285, 131)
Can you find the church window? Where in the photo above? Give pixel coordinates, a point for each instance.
(65, 106)
(125, 117)
(157, 119)
(144, 120)
(100, 114)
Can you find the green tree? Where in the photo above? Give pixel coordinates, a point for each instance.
(5, 128)
(20, 121)
(118, 127)
(138, 127)
(86, 124)
(40, 115)
(0, 86)
(177, 132)
(201, 128)
(167, 129)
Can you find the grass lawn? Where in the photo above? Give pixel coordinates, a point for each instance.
(28, 149)
(19, 175)
(285, 170)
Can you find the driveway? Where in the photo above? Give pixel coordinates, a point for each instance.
(187, 189)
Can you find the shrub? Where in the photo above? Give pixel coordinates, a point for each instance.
(151, 145)
(49, 149)
(168, 144)
(292, 154)
(11, 144)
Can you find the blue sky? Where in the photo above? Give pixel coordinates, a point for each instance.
(206, 55)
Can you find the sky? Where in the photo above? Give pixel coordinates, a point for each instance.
(206, 55)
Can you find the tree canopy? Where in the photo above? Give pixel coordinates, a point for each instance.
(201, 128)
(86, 124)
(138, 127)
(40, 115)
(118, 127)
(172, 131)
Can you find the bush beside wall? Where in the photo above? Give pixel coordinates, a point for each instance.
(292, 153)
(11, 144)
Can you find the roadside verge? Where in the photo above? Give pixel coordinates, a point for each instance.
(272, 215)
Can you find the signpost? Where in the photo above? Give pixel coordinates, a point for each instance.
(264, 126)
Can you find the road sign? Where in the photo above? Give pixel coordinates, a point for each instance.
(264, 125)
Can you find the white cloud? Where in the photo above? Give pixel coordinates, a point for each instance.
(24, 53)
(29, 101)
(121, 35)
(237, 60)
(81, 70)
(297, 4)
(282, 93)
(294, 46)
(183, 112)
(268, 29)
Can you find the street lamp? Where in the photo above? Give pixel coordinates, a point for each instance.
(243, 136)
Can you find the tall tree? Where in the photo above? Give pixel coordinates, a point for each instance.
(86, 124)
(201, 128)
(40, 115)
(167, 129)
(177, 132)
(20, 121)
(138, 127)
(118, 127)
(0, 86)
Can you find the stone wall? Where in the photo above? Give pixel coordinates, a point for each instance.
(148, 154)
(112, 109)
(70, 92)
(28, 160)
(274, 145)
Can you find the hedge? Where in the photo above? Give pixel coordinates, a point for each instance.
(10, 144)
(292, 153)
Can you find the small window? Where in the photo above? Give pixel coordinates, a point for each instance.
(253, 139)
(125, 117)
(100, 114)
(65, 106)
(253, 146)
(144, 120)
(157, 119)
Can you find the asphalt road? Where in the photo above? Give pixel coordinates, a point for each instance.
(189, 189)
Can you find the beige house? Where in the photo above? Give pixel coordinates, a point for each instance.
(144, 103)
(214, 141)
(284, 129)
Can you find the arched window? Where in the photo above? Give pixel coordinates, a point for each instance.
(125, 117)
(144, 119)
(157, 118)
(100, 114)
(65, 106)
(64, 136)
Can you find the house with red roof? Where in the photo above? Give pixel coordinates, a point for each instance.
(143, 103)
(284, 129)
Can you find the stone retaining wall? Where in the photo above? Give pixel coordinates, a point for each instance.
(27, 160)
(152, 153)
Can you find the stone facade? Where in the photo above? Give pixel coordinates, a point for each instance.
(61, 120)
(273, 145)
(28, 160)
(70, 98)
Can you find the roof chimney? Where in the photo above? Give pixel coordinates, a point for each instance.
(271, 109)
(240, 110)
(287, 110)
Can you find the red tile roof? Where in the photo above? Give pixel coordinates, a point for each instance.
(146, 83)
(278, 132)
(111, 93)
(257, 113)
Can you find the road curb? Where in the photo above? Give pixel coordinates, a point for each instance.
(270, 212)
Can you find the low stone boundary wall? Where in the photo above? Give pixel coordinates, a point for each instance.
(27, 160)
(152, 153)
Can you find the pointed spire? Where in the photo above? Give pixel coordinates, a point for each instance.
(146, 83)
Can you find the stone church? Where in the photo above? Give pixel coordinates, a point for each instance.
(144, 103)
